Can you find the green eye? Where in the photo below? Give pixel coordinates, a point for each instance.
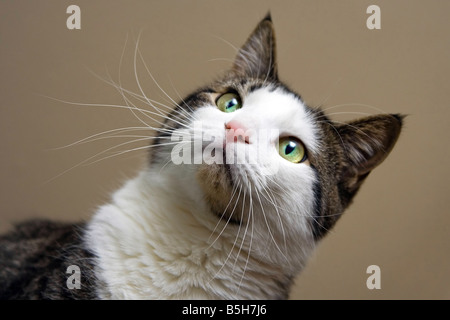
(292, 149)
(229, 102)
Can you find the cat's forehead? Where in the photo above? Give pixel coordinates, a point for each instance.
(252, 87)
(243, 85)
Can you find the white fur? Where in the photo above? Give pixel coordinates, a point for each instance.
(157, 239)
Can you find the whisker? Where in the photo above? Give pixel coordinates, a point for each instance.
(237, 235)
(100, 153)
(119, 89)
(272, 201)
(117, 136)
(118, 153)
(348, 112)
(268, 226)
(236, 49)
(177, 116)
(191, 114)
(81, 104)
(157, 129)
(353, 104)
(221, 218)
(136, 50)
(151, 75)
(251, 214)
(131, 106)
(246, 227)
(143, 99)
(220, 59)
(284, 209)
(87, 139)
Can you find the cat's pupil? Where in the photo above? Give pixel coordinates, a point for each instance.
(290, 147)
(231, 103)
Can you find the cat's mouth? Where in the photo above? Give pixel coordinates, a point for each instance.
(226, 175)
(223, 190)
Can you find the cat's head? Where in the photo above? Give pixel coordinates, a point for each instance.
(264, 160)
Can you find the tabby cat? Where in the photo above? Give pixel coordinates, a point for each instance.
(243, 181)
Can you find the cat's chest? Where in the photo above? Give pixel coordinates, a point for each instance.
(155, 248)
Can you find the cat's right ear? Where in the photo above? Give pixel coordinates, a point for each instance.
(366, 143)
(257, 57)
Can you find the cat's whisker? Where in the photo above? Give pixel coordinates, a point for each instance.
(222, 218)
(181, 113)
(145, 100)
(81, 104)
(190, 114)
(115, 133)
(169, 160)
(355, 104)
(118, 153)
(78, 165)
(176, 116)
(166, 163)
(115, 147)
(146, 113)
(239, 229)
(115, 136)
(284, 209)
(220, 59)
(126, 100)
(268, 226)
(136, 50)
(84, 162)
(345, 112)
(280, 220)
(92, 137)
(251, 217)
(236, 49)
(150, 74)
(330, 91)
(246, 225)
(132, 107)
(237, 234)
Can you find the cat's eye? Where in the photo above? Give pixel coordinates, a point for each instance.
(229, 102)
(292, 149)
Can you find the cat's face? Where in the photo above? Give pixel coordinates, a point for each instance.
(263, 159)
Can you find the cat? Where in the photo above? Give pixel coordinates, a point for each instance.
(238, 223)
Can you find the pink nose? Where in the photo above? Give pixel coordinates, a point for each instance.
(236, 132)
(235, 125)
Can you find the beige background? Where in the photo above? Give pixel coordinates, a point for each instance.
(399, 221)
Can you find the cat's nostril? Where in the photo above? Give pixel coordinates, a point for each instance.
(234, 125)
(236, 132)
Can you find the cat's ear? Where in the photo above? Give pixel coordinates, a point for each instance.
(366, 143)
(257, 57)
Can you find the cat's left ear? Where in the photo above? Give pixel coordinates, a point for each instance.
(257, 57)
(366, 143)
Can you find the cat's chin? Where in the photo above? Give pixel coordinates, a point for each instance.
(223, 195)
